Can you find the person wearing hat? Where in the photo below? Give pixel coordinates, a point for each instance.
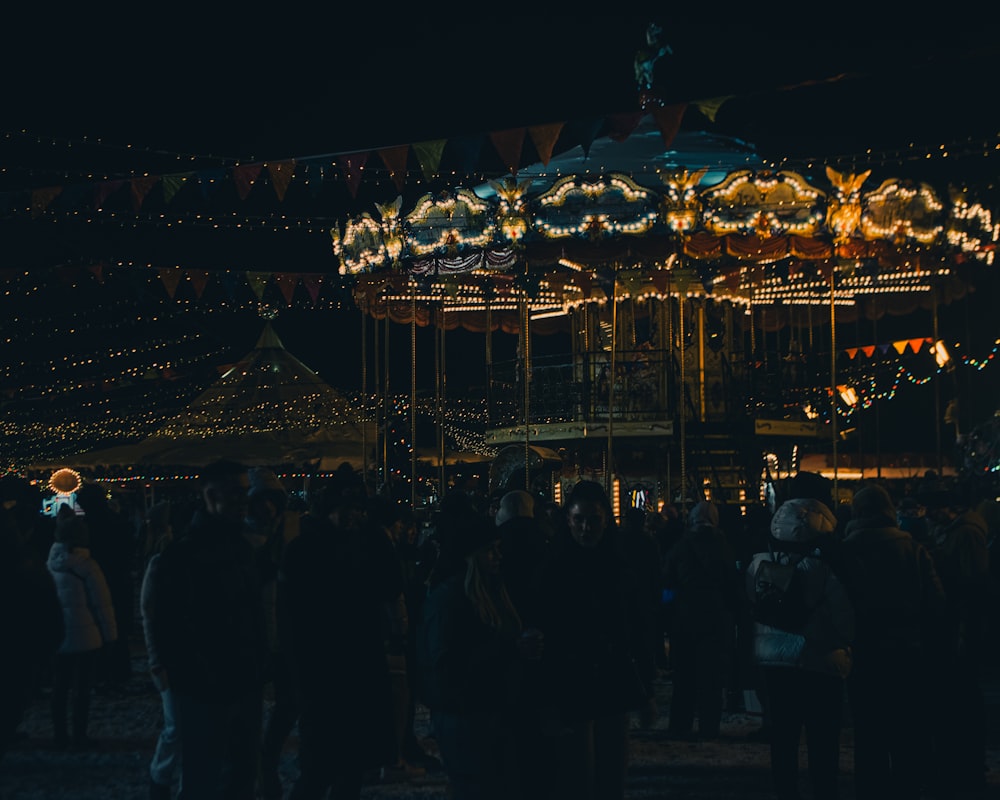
(804, 669)
(899, 644)
(88, 623)
(469, 649)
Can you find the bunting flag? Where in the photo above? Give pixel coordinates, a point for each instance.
(312, 283)
(199, 279)
(869, 350)
(258, 282)
(585, 131)
(281, 175)
(41, 198)
(98, 272)
(668, 120)
(851, 352)
(394, 159)
(173, 183)
(622, 125)
(884, 348)
(711, 106)
(429, 156)
(287, 282)
(466, 151)
(900, 346)
(508, 144)
(916, 344)
(545, 138)
(352, 167)
(212, 178)
(104, 190)
(244, 178)
(230, 280)
(170, 277)
(140, 188)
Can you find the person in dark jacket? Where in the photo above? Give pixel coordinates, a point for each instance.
(899, 644)
(334, 582)
(701, 571)
(804, 669)
(208, 628)
(468, 650)
(597, 663)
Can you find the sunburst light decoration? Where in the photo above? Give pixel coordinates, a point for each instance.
(65, 481)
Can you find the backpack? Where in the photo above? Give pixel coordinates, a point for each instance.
(778, 595)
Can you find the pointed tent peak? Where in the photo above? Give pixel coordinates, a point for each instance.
(268, 338)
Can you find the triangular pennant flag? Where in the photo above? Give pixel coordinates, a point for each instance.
(98, 272)
(199, 279)
(394, 159)
(884, 348)
(545, 138)
(429, 156)
(312, 283)
(104, 190)
(668, 120)
(258, 282)
(352, 167)
(209, 179)
(287, 282)
(76, 196)
(170, 277)
(916, 344)
(465, 150)
(584, 131)
(620, 126)
(140, 188)
(900, 346)
(281, 175)
(711, 106)
(230, 280)
(41, 198)
(509, 144)
(869, 350)
(851, 352)
(173, 183)
(244, 177)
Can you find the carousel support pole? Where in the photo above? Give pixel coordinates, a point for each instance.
(385, 405)
(489, 362)
(526, 355)
(878, 437)
(364, 403)
(611, 386)
(701, 360)
(442, 383)
(413, 396)
(833, 378)
(683, 409)
(939, 459)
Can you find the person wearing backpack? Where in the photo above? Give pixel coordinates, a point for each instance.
(803, 634)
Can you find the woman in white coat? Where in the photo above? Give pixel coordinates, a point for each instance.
(88, 621)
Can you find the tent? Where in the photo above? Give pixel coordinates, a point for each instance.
(269, 409)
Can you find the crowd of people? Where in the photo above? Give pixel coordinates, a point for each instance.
(534, 634)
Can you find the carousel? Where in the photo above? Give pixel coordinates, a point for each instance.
(698, 292)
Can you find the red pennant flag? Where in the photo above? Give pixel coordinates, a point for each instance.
(916, 344)
(98, 271)
(104, 190)
(508, 144)
(170, 277)
(41, 198)
(141, 187)
(199, 279)
(312, 284)
(287, 282)
(869, 350)
(622, 125)
(668, 120)
(851, 352)
(244, 178)
(394, 159)
(545, 138)
(281, 175)
(352, 167)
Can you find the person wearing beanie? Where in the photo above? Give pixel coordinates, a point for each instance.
(900, 641)
(803, 670)
(88, 624)
(700, 569)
